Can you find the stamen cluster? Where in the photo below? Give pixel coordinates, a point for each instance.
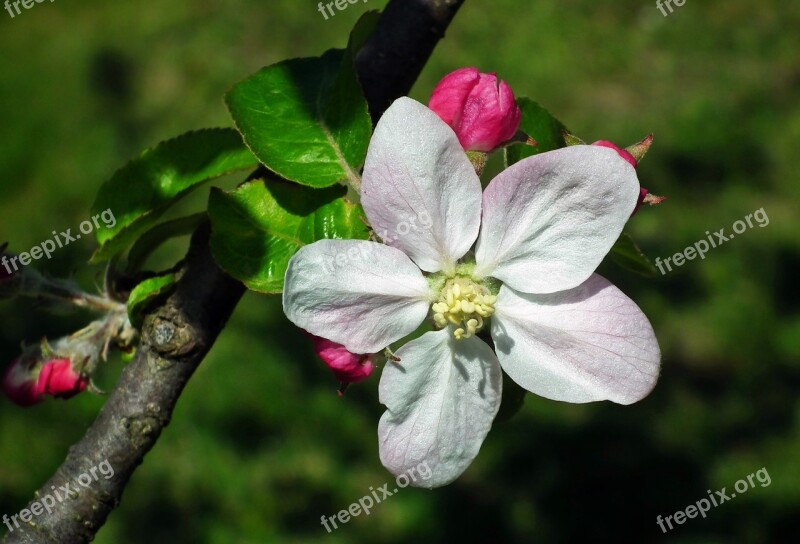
(465, 304)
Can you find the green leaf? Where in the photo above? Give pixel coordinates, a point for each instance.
(148, 293)
(305, 119)
(538, 123)
(140, 192)
(156, 236)
(626, 253)
(259, 226)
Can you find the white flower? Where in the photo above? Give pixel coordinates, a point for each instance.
(542, 227)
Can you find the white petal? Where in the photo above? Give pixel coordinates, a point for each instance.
(590, 343)
(419, 190)
(550, 219)
(363, 295)
(442, 397)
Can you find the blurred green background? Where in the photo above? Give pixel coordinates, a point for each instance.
(261, 446)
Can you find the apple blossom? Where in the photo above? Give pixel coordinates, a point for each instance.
(480, 109)
(516, 260)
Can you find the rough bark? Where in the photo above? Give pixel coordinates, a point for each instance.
(178, 334)
(392, 59)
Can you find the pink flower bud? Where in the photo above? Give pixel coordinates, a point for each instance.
(26, 381)
(19, 384)
(347, 367)
(58, 379)
(640, 148)
(481, 110)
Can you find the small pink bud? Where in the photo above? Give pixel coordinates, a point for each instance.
(347, 367)
(639, 149)
(19, 384)
(59, 380)
(482, 111)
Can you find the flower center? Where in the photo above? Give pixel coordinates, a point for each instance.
(465, 304)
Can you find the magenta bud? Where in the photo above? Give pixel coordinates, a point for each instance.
(27, 381)
(58, 379)
(346, 366)
(633, 155)
(480, 109)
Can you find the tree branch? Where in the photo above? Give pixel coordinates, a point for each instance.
(178, 335)
(394, 56)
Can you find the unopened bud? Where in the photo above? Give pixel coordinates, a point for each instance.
(633, 155)
(34, 375)
(347, 367)
(64, 369)
(58, 379)
(480, 109)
